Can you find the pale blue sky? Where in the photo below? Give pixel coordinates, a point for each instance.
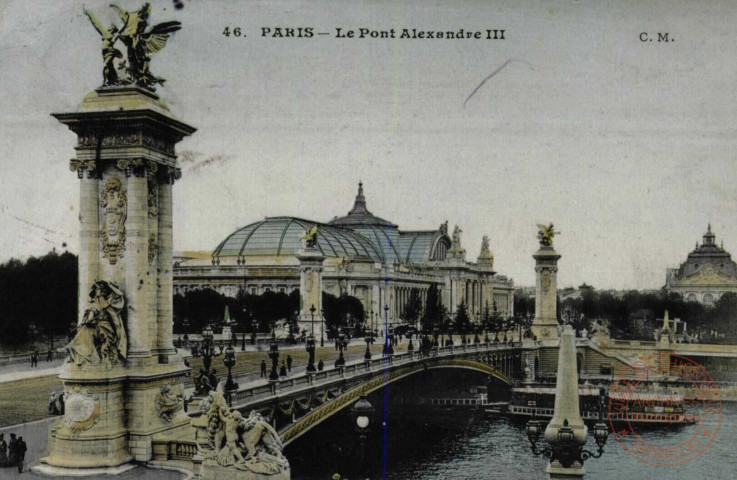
(627, 146)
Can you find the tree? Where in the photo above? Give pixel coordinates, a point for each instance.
(339, 309)
(462, 320)
(412, 309)
(434, 313)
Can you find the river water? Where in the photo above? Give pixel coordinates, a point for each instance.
(464, 445)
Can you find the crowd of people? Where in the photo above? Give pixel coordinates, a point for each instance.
(14, 453)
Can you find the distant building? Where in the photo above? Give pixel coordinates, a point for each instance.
(706, 275)
(365, 256)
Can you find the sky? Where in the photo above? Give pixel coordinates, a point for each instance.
(626, 146)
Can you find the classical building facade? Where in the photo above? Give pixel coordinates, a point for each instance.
(707, 273)
(364, 256)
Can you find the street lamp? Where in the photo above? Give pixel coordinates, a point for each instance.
(310, 347)
(322, 327)
(340, 362)
(229, 362)
(207, 349)
(368, 339)
(362, 413)
(387, 344)
(274, 356)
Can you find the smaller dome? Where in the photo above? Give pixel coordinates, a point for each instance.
(359, 214)
(281, 236)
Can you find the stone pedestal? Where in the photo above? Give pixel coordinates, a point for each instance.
(545, 325)
(127, 167)
(310, 288)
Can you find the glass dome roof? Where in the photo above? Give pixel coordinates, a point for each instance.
(281, 236)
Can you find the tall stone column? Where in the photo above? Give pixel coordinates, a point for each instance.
(136, 269)
(89, 232)
(161, 252)
(545, 325)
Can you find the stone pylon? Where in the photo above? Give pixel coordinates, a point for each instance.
(116, 404)
(545, 325)
(310, 289)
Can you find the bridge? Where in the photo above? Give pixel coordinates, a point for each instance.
(298, 404)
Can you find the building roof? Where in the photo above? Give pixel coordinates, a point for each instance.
(360, 215)
(281, 236)
(707, 255)
(358, 235)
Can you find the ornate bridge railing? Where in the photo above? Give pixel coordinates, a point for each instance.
(296, 404)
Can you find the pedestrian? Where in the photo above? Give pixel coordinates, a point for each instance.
(34, 358)
(11, 450)
(3, 451)
(283, 370)
(263, 368)
(21, 454)
(320, 365)
(49, 355)
(289, 363)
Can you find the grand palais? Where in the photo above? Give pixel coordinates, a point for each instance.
(365, 256)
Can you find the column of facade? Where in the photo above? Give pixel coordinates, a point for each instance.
(164, 259)
(136, 260)
(89, 236)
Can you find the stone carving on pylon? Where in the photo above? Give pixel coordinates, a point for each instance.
(114, 210)
(101, 336)
(486, 258)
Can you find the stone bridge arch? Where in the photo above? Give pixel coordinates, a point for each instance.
(293, 431)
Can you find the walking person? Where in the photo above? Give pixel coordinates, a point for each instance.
(34, 358)
(3, 451)
(283, 369)
(320, 365)
(263, 368)
(21, 454)
(11, 450)
(289, 363)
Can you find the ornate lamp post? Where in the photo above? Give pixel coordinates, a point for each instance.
(362, 413)
(391, 340)
(322, 327)
(310, 347)
(340, 362)
(387, 344)
(368, 339)
(207, 349)
(229, 362)
(274, 356)
(566, 433)
(254, 325)
(410, 347)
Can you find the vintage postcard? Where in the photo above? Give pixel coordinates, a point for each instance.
(368, 239)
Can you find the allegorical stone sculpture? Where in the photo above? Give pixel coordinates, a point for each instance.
(241, 443)
(127, 50)
(546, 235)
(486, 258)
(101, 334)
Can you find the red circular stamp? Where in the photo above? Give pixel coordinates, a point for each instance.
(635, 409)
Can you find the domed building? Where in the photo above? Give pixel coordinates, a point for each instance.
(707, 273)
(363, 255)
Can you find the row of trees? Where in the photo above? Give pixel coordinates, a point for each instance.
(38, 297)
(198, 308)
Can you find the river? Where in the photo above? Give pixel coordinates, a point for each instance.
(462, 445)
